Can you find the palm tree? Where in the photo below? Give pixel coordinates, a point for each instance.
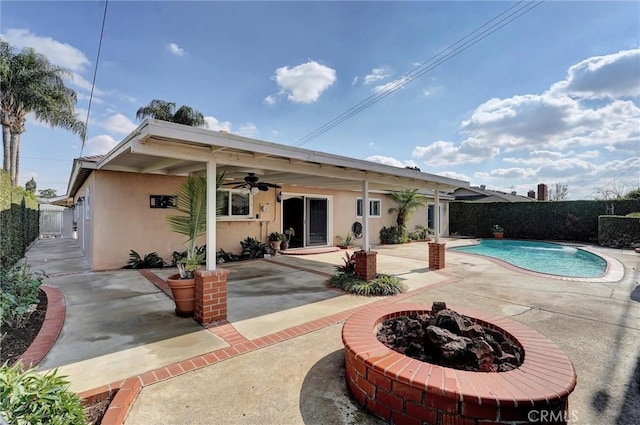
(29, 83)
(407, 201)
(192, 223)
(166, 111)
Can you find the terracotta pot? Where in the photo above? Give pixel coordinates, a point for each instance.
(184, 292)
(498, 235)
(275, 245)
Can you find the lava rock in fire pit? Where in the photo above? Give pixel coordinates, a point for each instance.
(449, 339)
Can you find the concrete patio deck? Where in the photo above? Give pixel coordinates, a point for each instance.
(283, 352)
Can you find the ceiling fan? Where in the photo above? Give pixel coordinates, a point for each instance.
(252, 184)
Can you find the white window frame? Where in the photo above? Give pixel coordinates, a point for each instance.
(371, 202)
(231, 216)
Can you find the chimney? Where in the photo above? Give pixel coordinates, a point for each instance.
(531, 194)
(483, 187)
(542, 192)
(514, 193)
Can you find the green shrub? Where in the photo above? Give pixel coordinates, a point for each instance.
(20, 289)
(391, 235)
(381, 285)
(27, 398)
(619, 232)
(252, 248)
(19, 221)
(566, 220)
(150, 261)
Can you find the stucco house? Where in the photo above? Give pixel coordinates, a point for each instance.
(482, 194)
(120, 199)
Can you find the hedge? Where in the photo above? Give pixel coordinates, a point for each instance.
(566, 220)
(618, 231)
(19, 221)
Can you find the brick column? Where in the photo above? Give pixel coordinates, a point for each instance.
(436, 255)
(211, 295)
(366, 264)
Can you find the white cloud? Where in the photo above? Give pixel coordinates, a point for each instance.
(58, 53)
(392, 85)
(426, 92)
(248, 130)
(79, 81)
(99, 145)
(269, 100)
(355, 81)
(214, 124)
(387, 160)
(454, 175)
(175, 49)
(303, 83)
(555, 123)
(377, 74)
(120, 124)
(609, 76)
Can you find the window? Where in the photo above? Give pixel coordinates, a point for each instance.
(375, 206)
(234, 203)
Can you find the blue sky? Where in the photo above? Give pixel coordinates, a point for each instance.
(552, 97)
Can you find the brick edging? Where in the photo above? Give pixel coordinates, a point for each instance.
(51, 327)
(124, 394)
(239, 345)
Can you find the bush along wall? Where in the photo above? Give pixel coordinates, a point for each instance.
(19, 221)
(618, 231)
(566, 220)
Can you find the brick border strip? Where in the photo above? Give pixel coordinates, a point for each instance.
(404, 390)
(51, 327)
(239, 345)
(124, 394)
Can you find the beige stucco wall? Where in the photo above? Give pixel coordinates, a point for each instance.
(84, 217)
(121, 219)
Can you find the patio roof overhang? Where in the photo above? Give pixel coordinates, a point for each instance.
(160, 147)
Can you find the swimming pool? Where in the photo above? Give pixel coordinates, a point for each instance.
(542, 257)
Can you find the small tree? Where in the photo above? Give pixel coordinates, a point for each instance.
(48, 193)
(30, 186)
(407, 201)
(633, 194)
(559, 193)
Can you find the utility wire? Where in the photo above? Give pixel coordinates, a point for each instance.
(615, 178)
(512, 13)
(95, 73)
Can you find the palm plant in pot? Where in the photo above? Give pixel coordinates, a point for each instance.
(192, 223)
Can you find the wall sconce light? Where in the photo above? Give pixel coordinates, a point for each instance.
(279, 197)
(80, 200)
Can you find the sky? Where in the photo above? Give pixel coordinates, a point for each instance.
(552, 97)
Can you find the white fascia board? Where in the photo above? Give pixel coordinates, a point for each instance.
(195, 135)
(78, 165)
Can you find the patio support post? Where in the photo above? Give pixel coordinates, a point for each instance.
(436, 249)
(211, 215)
(365, 216)
(211, 284)
(366, 260)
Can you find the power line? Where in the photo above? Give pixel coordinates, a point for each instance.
(615, 178)
(480, 33)
(95, 73)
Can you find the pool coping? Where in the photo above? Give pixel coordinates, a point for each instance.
(613, 273)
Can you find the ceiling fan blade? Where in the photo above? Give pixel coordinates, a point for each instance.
(263, 187)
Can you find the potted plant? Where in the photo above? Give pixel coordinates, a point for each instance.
(192, 223)
(275, 240)
(498, 231)
(423, 232)
(345, 242)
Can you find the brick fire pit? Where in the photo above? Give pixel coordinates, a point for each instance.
(400, 389)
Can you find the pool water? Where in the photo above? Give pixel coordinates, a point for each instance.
(549, 258)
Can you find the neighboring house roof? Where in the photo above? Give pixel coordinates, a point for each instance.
(160, 147)
(478, 194)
